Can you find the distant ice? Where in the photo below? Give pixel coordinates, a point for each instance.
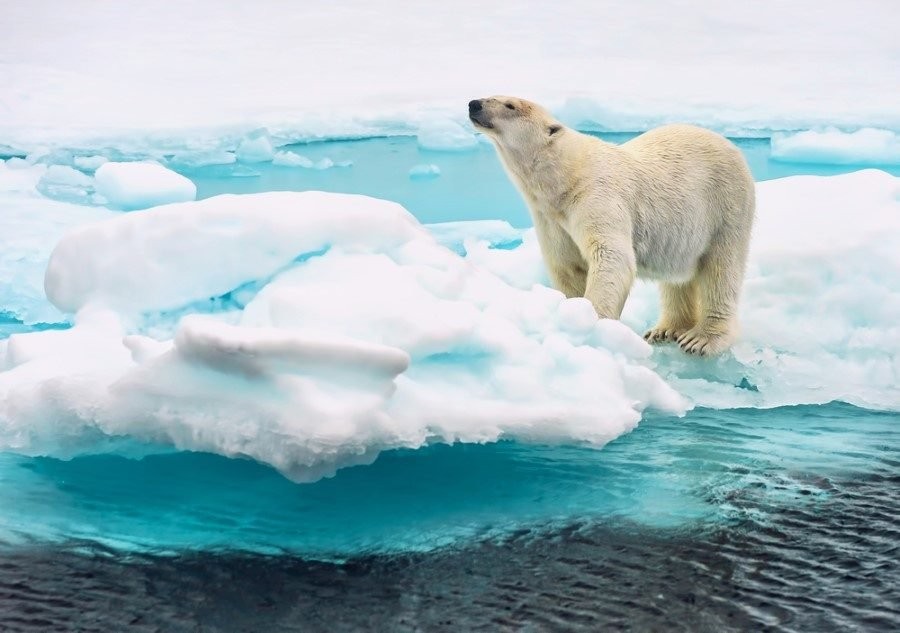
(89, 163)
(446, 135)
(64, 183)
(832, 146)
(608, 65)
(194, 159)
(255, 149)
(141, 185)
(292, 159)
(424, 172)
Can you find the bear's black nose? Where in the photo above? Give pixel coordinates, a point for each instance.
(474, 106)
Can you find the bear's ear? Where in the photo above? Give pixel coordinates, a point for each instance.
(553, 129)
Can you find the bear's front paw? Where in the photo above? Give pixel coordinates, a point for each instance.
(702, 342)
(662, 333)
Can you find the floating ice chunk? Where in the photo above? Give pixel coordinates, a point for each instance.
(141, 185)
(255, 149)
(290, 159)
(383, 339)
(64, 183)
(832, 146)
(89, 163)
(243, 171)
(492, 353)
(446, 135)
(203, 159)
(424, 172)
(190, 251)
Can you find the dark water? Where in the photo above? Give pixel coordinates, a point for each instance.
(800, 573)
(827, 566)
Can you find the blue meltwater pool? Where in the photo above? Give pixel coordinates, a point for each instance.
(772, 502)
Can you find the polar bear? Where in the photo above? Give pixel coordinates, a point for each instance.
(675, 204)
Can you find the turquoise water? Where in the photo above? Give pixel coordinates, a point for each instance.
(668, 473)
(471, 185)
(709, 468)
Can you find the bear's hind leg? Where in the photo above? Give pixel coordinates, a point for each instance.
(719, 279)
(678, 304)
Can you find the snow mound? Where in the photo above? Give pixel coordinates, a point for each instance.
(189, 251)
(141, 185)
(831, 146)
(365, 334)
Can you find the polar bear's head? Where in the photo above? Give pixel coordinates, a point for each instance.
(514, 124)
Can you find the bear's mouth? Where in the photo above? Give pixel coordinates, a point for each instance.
(479, 123)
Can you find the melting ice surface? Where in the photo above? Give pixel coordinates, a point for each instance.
(223, 348)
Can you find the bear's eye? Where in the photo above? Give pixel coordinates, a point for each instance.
(510, 106)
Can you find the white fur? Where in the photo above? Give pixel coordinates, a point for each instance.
(675, 204)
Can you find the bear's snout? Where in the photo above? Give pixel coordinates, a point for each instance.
(474, 106)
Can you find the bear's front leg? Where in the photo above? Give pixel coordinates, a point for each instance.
(611, 271)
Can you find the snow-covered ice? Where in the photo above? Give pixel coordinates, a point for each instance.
(312, 375)
(834, 147)
(358, 331)
(209, 70)
(189, 251)
(140, 185)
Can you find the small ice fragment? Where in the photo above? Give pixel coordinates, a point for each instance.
(141, 185)
(424, 172)
(256, 148)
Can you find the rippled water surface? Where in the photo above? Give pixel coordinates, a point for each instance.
(784, 519)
